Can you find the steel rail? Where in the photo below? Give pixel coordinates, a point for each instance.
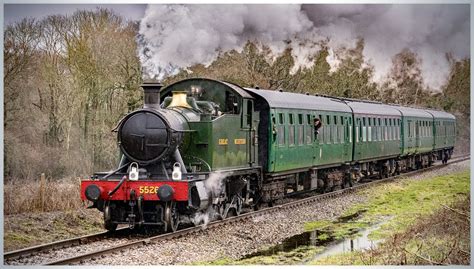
(25, 252)
(192, 230)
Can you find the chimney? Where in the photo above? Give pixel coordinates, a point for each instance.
(151, 90)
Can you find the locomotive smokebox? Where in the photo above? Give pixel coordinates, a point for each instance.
(151, 90)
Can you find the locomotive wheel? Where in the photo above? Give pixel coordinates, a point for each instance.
(219, 210)
(234, 207)
(347, 183)
(108, 225)
(171, 217)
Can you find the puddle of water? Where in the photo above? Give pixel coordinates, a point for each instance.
(359, 242)
(291, 243)
(356, 241)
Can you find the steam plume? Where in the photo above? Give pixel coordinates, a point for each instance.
(178, 36)
(214, 185)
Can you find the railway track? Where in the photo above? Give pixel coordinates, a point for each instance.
(93, 255)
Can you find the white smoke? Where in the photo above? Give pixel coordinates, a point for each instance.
(203, 218)
(431, 31)
(179, 36)
(214, 186)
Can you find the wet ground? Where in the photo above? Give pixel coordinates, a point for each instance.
(359, 241)
(354, 239)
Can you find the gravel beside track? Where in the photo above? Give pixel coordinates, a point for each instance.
(232, 240)
(55, 254)
(239, 239)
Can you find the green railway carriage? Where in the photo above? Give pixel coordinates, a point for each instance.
(444, 134)
(288, 140)
(376, 132)
(444, 130)
(417, 131)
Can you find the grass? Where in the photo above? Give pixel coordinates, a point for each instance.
(26, 197)
(25, 230)
(401, 205)
(403, 201)
(406, 202)
(438, 239)
(297, 256)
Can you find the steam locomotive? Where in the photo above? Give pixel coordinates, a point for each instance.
(207, 146)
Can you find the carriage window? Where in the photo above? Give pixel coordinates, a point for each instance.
(291, 130)
(389, 133)
(300, 129)
(328, 135)
(322, 132)
(281, 130)
(308, 134)
(291, 135)
(300, 134)
(364, 134)
(357, 132)
(342, 132)
(350, 133)
(369, 133)
(380, 133)
(375, 135)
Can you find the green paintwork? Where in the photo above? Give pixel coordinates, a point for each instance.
(445, 133)
(416, 140)
(374, 140)
(222, 142)
(307, 150)
(213, 141)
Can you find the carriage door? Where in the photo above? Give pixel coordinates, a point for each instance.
(347, 136)
(250, 127)
(417, 133)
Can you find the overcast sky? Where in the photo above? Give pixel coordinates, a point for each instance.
(16, 12)
(170, 31)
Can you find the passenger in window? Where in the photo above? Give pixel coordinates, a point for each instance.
(317, 124)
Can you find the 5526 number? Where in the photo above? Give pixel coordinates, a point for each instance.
(148, 189)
